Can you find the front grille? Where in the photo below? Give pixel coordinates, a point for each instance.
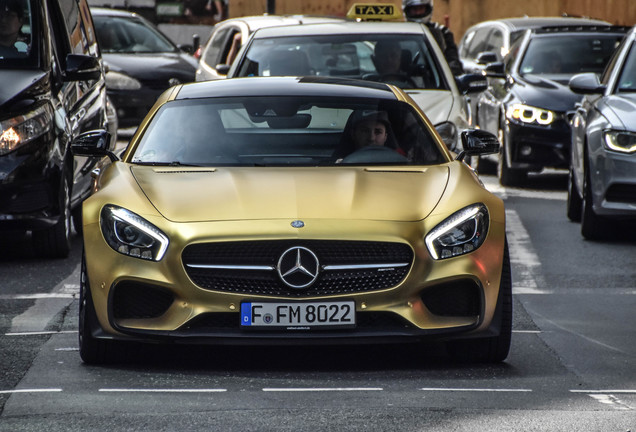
(263, 256)
(459, 298)
(135, 300)
(621, 193)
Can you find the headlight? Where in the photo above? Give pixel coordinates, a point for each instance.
(620, 141)
(461, 233)
(120, 81)
(131, 235)
(530, 114)
(448, 132)
(19, 130)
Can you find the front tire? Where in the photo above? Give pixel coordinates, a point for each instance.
(55, 242)
(593, 227)
(92, 350)
(574, 202)
(507, 176)
(496, 348)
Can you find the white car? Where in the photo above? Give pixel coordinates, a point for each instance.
(355, 50)
(230, 35)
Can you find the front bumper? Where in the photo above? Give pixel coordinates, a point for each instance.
(613, 177)
(158, 301)
(533, 147)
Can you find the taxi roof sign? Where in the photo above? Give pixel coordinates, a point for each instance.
(374, 12)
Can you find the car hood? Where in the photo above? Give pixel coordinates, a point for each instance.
(346, 193)
(437, 105)
(153, 65)
(20, 84)
(553, 94)
(619, 110)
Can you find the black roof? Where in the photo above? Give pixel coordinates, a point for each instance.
(286, 86)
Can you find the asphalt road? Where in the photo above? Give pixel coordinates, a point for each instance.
(571, 367)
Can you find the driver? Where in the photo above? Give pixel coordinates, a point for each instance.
(387, 56)
(370, 128)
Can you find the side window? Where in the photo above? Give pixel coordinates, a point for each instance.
(478, 43)
(74, 27)
(213, 53)
(465, 43)
(494, 43)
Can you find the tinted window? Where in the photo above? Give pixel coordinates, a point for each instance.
(129, 35)
(18, 24)
(478, 42)
(568, 54)
(627, 78)
(285, 131)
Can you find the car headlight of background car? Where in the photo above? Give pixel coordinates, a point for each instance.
(132, 235)
(22, 129)
(462, 232)
(530, 115)
(620, 141)
(120, 81)
(448, 132)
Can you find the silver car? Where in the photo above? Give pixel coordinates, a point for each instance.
(602, 181)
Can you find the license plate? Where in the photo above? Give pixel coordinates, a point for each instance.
(298, 316)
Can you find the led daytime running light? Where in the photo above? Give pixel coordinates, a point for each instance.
(530, 114)
(443, 240)
(20, 130)
(619, 141)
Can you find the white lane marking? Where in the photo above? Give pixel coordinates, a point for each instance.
(173, 390)
(323, 389)
(67, 349)
(611, 400)
(492, 184)
(624, 391)
(37, 333)
(528, 331)
(526, 265)
(494, 390)
(39, 296)
(45, 390)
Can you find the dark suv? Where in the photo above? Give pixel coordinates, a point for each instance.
(53, 88)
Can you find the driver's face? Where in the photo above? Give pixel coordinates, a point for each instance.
(368, 133)
(387, 61)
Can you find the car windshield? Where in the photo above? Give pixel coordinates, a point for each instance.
(128, 36)
(287, 131)
(402, 60)
(18, 47)
(627, 78)
(568, 54)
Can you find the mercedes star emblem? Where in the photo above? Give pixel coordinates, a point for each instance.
(298, 267)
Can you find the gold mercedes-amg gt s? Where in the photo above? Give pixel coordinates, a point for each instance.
(281, 210)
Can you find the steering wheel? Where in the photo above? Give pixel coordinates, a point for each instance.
(374, 154)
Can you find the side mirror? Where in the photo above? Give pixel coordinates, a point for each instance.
(586, 83)
(93, 144)
(478, 142)
(486, 57)
(80, 67)
(495, 70)
(222, 69)
(471, 83)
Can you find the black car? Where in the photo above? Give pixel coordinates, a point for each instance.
(141, 62)
(528, 103)
(53, 89)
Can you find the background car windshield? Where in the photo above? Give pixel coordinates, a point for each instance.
(568, 54)
(403, 60)
(627, 80)
(284, 131)
(18, 47)
(124, 35)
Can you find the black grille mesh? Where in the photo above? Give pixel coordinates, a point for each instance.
(135, 300)
(267, 253)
